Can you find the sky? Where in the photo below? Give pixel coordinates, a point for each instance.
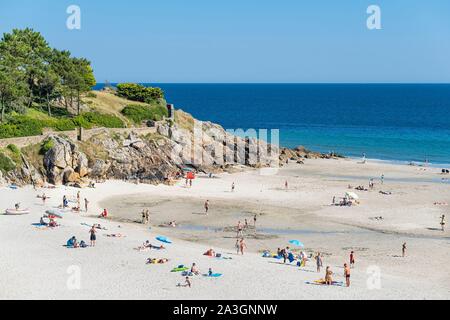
(237, 41)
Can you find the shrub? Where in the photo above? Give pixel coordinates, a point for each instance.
(13, 148)
(138, 92)
(101, 120)
(46, 146)
(6, 164)
(139, 113)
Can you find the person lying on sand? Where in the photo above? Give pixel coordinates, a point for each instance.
(157, 261)
(76, 209)
(210, 253)
(388, 193)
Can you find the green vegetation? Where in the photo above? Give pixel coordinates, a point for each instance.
(137, 92)
(32, 124)
(46, 146)
(32, 73)
(6, 163)
(139, 113)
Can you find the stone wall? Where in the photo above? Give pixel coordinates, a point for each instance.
(72, 135)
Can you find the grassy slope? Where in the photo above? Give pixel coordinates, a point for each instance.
(105, 102)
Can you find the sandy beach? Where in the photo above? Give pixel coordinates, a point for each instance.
(36, 265)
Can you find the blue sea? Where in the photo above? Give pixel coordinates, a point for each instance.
(395, 122)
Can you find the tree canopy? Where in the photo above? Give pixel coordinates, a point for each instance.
(34, 74)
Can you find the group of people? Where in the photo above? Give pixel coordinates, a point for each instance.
(73, 242)
(65, 202)
(145, 216)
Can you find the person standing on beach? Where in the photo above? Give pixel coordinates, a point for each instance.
(286, 185)
(237, 246)
(328, 276)
(86, 204)
(242, 246)
(319, 262)
(239, 229)
(78, 199)
(93, 236)
(352, 259)
(443, 222)
(206, 207)
(404, 249)
(382, 179)
(232, 187)
(254, 221)
(347, 274)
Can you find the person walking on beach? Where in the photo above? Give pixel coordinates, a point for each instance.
(319, 262)
(334, 200)
(93, 237)
(64, 201)
(254, 221)
(239, 230)
(347, 274)
(352, 259)
(382, 179)
(286, 185)
(245, 224)
(232, 187)
(86, 204)
(242, 246)
(206, 207)
(404, 249)
(443, 222)
(237, 246)
(78, 199)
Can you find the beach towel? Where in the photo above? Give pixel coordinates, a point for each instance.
(214, 275)
(163, 239)
(179, 269)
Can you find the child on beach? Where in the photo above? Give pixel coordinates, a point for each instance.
(237, 246)
(242, 246)
(187, 283)
(352, 259)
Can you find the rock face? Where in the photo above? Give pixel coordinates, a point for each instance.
(64, 163)
(154, 158)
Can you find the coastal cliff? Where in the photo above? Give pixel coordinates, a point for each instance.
(157, 157)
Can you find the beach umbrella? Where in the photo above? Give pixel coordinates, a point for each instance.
(296, 243)
(352, 195)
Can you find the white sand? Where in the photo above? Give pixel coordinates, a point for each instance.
(35, 265)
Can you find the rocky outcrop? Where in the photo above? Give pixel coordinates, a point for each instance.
(154, 158)
(64, 163)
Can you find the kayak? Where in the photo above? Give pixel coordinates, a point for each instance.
(14, 212)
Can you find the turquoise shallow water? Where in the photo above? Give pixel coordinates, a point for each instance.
(405, 122)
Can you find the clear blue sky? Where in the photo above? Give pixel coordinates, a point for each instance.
(247, 40)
